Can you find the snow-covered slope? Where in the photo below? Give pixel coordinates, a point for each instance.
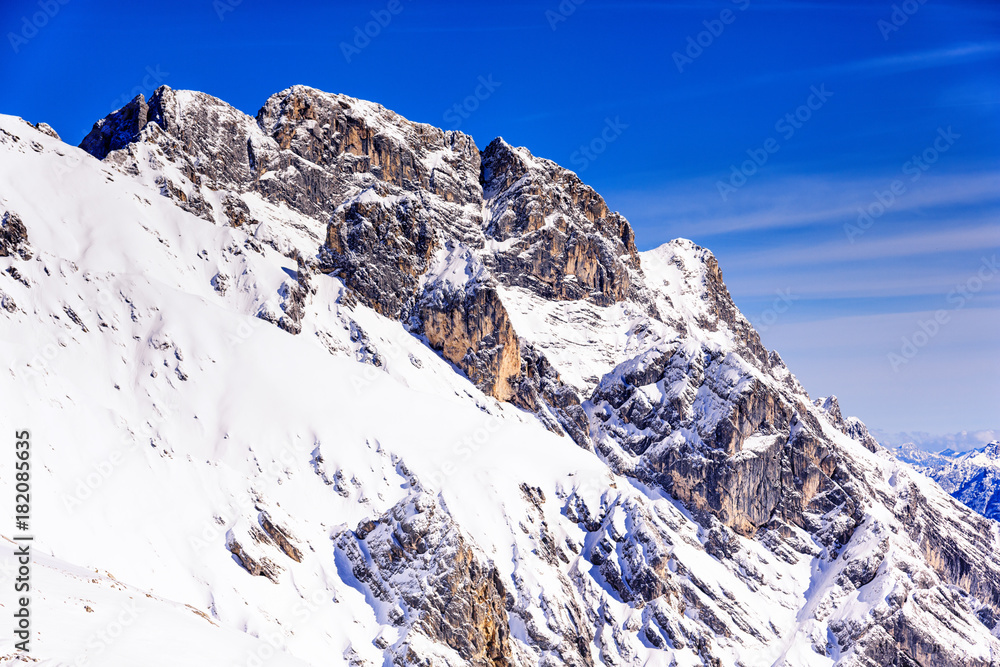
(296, 399)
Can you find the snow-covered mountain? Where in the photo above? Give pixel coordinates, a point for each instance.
(326, 386)
(920, 458)
(972, 477)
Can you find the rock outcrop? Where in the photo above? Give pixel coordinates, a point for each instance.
(380, 245)
(433, 581)
(13, 236)
(850, 426)
(389, 193)
(471, 329)
(559, 238)
(758, 458)
(117, 130)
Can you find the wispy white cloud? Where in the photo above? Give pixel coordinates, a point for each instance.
(916, 60)
(797, 201)
(869, 282)
(981, 237)
(953, 379)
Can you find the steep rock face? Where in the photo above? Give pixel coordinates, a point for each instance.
(717, 438)
(261, 545)
(391, 193)
(118, 129)
(344, 136)
(559, 238)
(415, 560)
(379, 245)
(736, 438)
(724, 311)
(45, 128)
(308, 150)
(466, 321)
(948, 572)
(543, 392)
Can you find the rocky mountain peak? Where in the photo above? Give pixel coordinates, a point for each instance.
(118, 129)
(992, 450)
(560, 239)
(831, 406)
(850, 426)
(503, 166)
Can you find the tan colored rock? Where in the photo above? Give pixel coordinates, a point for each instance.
(13, 236)
(281, 537)
(258, 567)
(473, 331)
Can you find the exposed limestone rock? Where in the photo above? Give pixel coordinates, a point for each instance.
(45, 128)
(946, 545)
(258, 543)
(471, 329)
(390, 192)
(281, 538)
(707, 464)
(13, 236)
(236, 211)
(258, 566)
(439, 584)
(118, 129)
(690, 401)
(379, 245)
(567, 244)
(295, 295)
(851, 426)
(540, 390)
(748, 340)
(7, 303)
(344, 136)
(193, 203)
(327, 148)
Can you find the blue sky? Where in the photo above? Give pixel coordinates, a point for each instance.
(841, 104)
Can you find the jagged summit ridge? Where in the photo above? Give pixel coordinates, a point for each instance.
(391, 194)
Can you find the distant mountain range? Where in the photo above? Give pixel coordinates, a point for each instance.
(971, 477)
(962, 441)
